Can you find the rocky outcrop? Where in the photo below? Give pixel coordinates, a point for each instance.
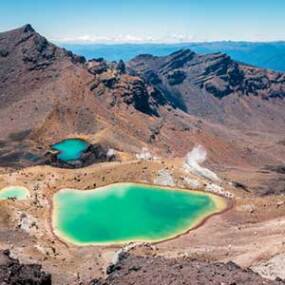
(138, 96)
(138, 270)
(176, 77)
(116, 87)
(178, 59)
(12, 272)
(97, 66)
(121, 67)
(276, 168)
(274, 268)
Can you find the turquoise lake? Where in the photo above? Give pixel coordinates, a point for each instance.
(70, 149)
(126, 212)
(17, 192)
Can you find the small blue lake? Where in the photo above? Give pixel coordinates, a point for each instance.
(70, 149)
(16, 192)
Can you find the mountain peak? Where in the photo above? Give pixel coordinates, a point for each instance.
(27, 28)
(20, 30)
(182, 52)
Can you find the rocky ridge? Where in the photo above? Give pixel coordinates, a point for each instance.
(133, 269)
(214, 86)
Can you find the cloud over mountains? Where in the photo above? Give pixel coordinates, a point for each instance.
(125, 38)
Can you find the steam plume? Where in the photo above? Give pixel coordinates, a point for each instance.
(193, 160)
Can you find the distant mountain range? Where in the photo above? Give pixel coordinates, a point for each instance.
(269, 55)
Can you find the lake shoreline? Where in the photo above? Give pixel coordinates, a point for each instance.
(221, 206)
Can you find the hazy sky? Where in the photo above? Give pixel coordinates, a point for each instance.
(148, 20)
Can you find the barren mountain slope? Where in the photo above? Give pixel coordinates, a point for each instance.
(48, 93)
(166, 104)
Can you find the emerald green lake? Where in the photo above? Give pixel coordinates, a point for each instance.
(17, 192)
(127, 212)
(70, 149)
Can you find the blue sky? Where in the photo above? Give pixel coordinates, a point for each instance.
(148, 20)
